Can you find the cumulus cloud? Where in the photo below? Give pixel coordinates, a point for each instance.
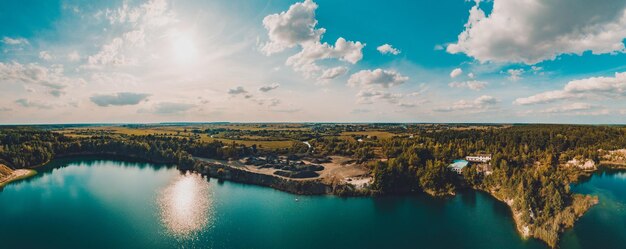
(367, 96)
(575, 89)
(292, 27)
(515, 74)
(118, 99)
(379, 77)
(73, 56)
(296, 27)
(305, 60)
(45, 55)
(268, 88)
(34, 104)
(14, 41)
(547, 30)
(332, 73)
(456, 72)
(151, 15)
(481, 103)
(388, 49)
(109, 54)
(546, 97)
(472, 84)
(52, 78)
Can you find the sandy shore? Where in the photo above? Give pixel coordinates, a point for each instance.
(17, 175)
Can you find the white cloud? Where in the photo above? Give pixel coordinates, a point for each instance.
(296, 27)
(14, 41)
(472, 84)
(481, 103)
(515, 74)
(332, 73)
(118, 99)
(368, 96)
(110, 54)
(151, 13)
(456, 72)
(45, 55)
(380, 77)
(545, 97)
(268, 88)
(470, 75)
(575, 89)
(305, 60)
(569, 108)
(135, 37)
(533, 31)
(73, 56)
(292, 27)
(388, 49)
(52, 78)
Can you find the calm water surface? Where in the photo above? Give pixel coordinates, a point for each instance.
(93, 203)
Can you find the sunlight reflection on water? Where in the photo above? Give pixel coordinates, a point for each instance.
(186, 205)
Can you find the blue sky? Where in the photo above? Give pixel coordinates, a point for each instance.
(326, 60)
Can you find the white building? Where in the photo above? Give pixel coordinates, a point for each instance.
(480, 158)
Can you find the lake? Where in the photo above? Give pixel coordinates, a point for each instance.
(96, 203)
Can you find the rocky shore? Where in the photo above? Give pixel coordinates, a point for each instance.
(295, 186)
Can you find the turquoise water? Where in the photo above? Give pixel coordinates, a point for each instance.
(92, 203)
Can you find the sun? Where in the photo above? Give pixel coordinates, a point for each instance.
(183, 48)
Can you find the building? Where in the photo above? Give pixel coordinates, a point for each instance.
(479, 158)
(458, 165)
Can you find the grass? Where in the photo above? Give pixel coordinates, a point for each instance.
(263, 144)
(379, 134)
(179, 131)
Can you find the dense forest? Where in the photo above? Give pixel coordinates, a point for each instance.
(26, 147)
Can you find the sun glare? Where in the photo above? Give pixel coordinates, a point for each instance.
(185, 205)
(183, 48)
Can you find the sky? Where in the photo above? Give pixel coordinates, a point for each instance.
(504, 61)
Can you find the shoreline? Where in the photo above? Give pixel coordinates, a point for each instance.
(223, 171)
(18, 174)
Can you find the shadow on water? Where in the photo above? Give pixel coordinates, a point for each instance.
(468, 197)
(90, 161)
